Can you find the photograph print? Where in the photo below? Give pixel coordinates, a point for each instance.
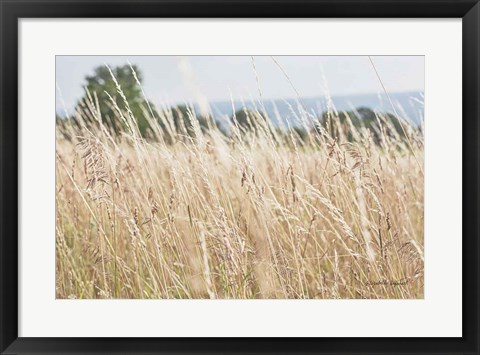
(239, 177)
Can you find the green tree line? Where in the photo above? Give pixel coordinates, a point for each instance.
(101, 87)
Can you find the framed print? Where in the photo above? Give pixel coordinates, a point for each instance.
(239, 177)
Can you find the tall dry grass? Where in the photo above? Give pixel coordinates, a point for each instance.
(257, 214)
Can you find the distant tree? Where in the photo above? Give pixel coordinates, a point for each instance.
(253, 121)
(101, 83)
(361, 117)
(248, 120)
(182, 115)
(183, 122)
(301, 133)
(64, 124)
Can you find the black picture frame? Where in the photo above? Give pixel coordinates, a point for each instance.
(13, 10)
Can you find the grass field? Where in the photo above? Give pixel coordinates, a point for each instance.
(254, 213)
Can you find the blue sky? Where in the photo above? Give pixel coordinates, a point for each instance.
(175, 79)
